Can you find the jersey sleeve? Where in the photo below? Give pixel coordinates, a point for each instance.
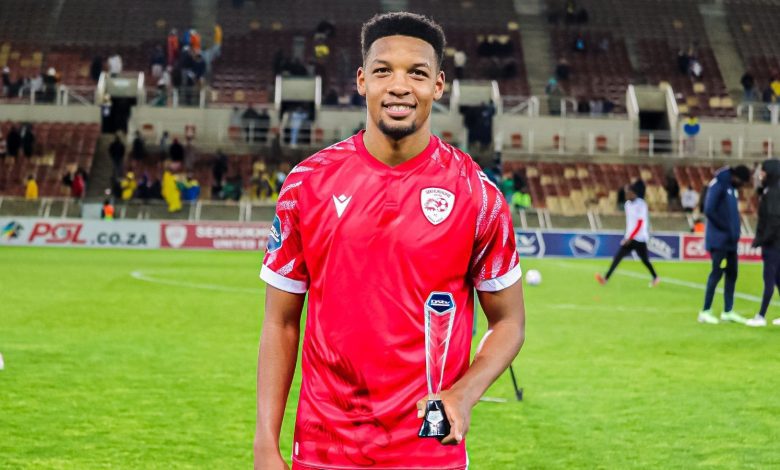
(495, 264)
(283, 265)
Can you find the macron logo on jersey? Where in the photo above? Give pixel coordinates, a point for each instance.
(341, 203)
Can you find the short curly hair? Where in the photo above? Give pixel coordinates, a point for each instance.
(403, 24)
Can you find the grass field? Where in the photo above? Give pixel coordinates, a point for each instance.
(129, 359)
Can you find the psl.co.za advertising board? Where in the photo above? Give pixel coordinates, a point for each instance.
(253, 236)
(79, 233)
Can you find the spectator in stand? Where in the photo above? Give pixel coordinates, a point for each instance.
(117, 153)
(36, 84)
(157, 62)
(50, 86)
(176, 152)
(6, 81)
(507, 186)
(218, 171)
(696, 69)
(31, 188)
(107, 211)
(173, 47)
(96, 68)
(199, 69)
(232, 189)
(672, 188)
(521, 200)
(170, 191)
(690, 199)
(138, 151)
(281, 174)
(562, 70)
(115, 64)
(28, 140)
(13, 142)
(217, 38)
(190, 189)
(128, 186)
(298, 117)
(775, 86)
(698, 226)
(459, 58)
(748, 86)
(579, 45)
(3, 148)
(195, 44)
(691, 127)
(683, 62)
(163, 147)
(79, 184)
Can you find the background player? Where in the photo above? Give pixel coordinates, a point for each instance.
(370, 227)
(637, 233)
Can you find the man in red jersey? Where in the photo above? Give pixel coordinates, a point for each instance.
(371, 227)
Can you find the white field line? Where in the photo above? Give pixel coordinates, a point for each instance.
(192, 285)
(673, 281)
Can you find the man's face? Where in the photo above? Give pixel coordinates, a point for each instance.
(400, 81)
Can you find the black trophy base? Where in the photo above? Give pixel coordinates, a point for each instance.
(435, 423)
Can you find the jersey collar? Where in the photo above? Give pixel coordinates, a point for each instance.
(403, 167)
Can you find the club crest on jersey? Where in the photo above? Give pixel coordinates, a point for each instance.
(440, 302)
(437, 204)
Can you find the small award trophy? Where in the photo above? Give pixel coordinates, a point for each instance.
(439, 317)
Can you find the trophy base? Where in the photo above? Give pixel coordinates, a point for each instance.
(435, 423)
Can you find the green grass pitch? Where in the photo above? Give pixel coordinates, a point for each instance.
(127, 359)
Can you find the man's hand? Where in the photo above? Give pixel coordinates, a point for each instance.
(625, 241)
(458, 413)
(269, 458)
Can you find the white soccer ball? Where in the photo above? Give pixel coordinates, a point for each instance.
(533, 277)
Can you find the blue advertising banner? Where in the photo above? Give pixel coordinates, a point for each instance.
(589, 244)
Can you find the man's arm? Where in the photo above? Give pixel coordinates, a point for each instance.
(505, 313)
(713, 199)
(275, 369)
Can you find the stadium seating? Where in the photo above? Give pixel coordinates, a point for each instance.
(573, 188)
(57, 146)
(753, 24)
(656, 30)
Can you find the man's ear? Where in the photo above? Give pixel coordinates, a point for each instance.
(360, 80)
(439, 85)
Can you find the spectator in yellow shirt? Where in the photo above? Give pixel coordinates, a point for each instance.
(31, 190)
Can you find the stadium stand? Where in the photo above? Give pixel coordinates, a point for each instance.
(628, 42)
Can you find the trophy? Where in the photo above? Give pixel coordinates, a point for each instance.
(439, 317)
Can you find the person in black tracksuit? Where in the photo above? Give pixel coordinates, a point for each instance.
(768, 235)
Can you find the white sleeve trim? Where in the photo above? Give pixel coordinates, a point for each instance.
(501, 282)
(283, 283)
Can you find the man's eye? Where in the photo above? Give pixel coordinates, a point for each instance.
(382, 70)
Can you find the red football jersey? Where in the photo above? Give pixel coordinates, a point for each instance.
(370, 243)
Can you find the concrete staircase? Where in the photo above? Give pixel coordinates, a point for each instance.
(204, 15)
(102, 168)
(537, 53)
(722, 42)
(394, 5)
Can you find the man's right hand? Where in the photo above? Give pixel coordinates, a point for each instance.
(267, 458)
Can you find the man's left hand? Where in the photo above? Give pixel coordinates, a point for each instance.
(458, 414)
